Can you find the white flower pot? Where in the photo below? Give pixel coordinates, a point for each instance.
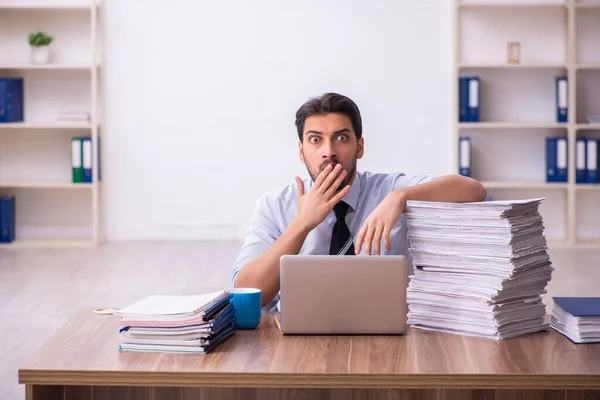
(40, 55)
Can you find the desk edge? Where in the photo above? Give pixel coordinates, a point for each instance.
(304, 380)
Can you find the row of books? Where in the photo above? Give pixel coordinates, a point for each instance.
(587, 156)
(82, 160)
(7, 219)
(469, 96)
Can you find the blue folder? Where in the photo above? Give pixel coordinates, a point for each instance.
(7, 219)
(463, 99)
(592, 160)
(562, 99)
(473, 98)
(11, 100)
(464, 156)
(579, 306)
(556, 150)
(581, 161)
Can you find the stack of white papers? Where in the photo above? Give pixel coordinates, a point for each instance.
(578, 318)
(177, 324)
(74, 116)
(480, 268)
(593, 119)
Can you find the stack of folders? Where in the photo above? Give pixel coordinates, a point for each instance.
(177, 324)
(578, 318)
(480, 268)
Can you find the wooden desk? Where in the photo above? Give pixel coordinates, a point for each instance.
(82, 362)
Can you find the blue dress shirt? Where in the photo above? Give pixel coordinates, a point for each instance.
(275, 209)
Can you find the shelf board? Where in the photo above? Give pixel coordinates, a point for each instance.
(511, 125)
(84, 6)
(583, 244)
(515, 4)
(32, 243)
(587, 244)
(587, 66)
(587, 186)
(584, 6)
(44, 185)
(54, 67)
(46, 125)
(588, 126)
(522, 185)
(500, 65)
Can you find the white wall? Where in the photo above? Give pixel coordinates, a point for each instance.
(201, 98)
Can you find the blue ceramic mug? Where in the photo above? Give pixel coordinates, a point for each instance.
(247, 304)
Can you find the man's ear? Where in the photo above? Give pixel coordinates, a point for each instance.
(300, 153)
(361, 148)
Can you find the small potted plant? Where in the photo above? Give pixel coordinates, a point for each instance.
(40, 47)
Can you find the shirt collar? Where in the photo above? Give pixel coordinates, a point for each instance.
(351, 198)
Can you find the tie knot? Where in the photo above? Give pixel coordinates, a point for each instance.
(340, 210)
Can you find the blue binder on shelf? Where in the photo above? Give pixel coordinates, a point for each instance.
(468, 98)
(7, 219)
(463, 99)
(464, 156)
(556, 159)
(592, 160)
(86, 158)
(473, 99)
(562, 99)
(580, 161)
(11, 100)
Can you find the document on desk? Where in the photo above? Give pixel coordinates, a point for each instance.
(177, 324)
(173, 307)
(578, 318)
(480, 268)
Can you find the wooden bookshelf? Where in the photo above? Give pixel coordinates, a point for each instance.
(517, 103)
(35, 162)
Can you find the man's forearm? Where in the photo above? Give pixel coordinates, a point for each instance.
(450, 188)
(263, 272)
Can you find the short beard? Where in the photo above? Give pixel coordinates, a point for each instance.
(349, 176)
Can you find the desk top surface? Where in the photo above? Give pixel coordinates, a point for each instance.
(85, 352)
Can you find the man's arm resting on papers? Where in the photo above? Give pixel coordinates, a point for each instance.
(449, 188)
(263, 272)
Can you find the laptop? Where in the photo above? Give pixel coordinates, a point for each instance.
(343, 294)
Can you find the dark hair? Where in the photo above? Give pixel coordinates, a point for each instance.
(329, 103)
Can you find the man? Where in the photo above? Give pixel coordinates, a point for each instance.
(339, 210)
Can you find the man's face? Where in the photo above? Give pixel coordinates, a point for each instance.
(330, 139)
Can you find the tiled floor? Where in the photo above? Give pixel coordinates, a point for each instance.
(40, 289)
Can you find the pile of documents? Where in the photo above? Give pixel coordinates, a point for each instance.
(74, 116)
(578, 318)
(480, 268)
(177, 324)
(593, 119)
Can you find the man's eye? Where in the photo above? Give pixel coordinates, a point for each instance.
(314, 139)
(342, 138)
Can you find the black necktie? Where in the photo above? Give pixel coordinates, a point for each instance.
(341, 241)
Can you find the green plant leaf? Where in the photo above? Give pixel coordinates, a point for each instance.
(38, 39)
